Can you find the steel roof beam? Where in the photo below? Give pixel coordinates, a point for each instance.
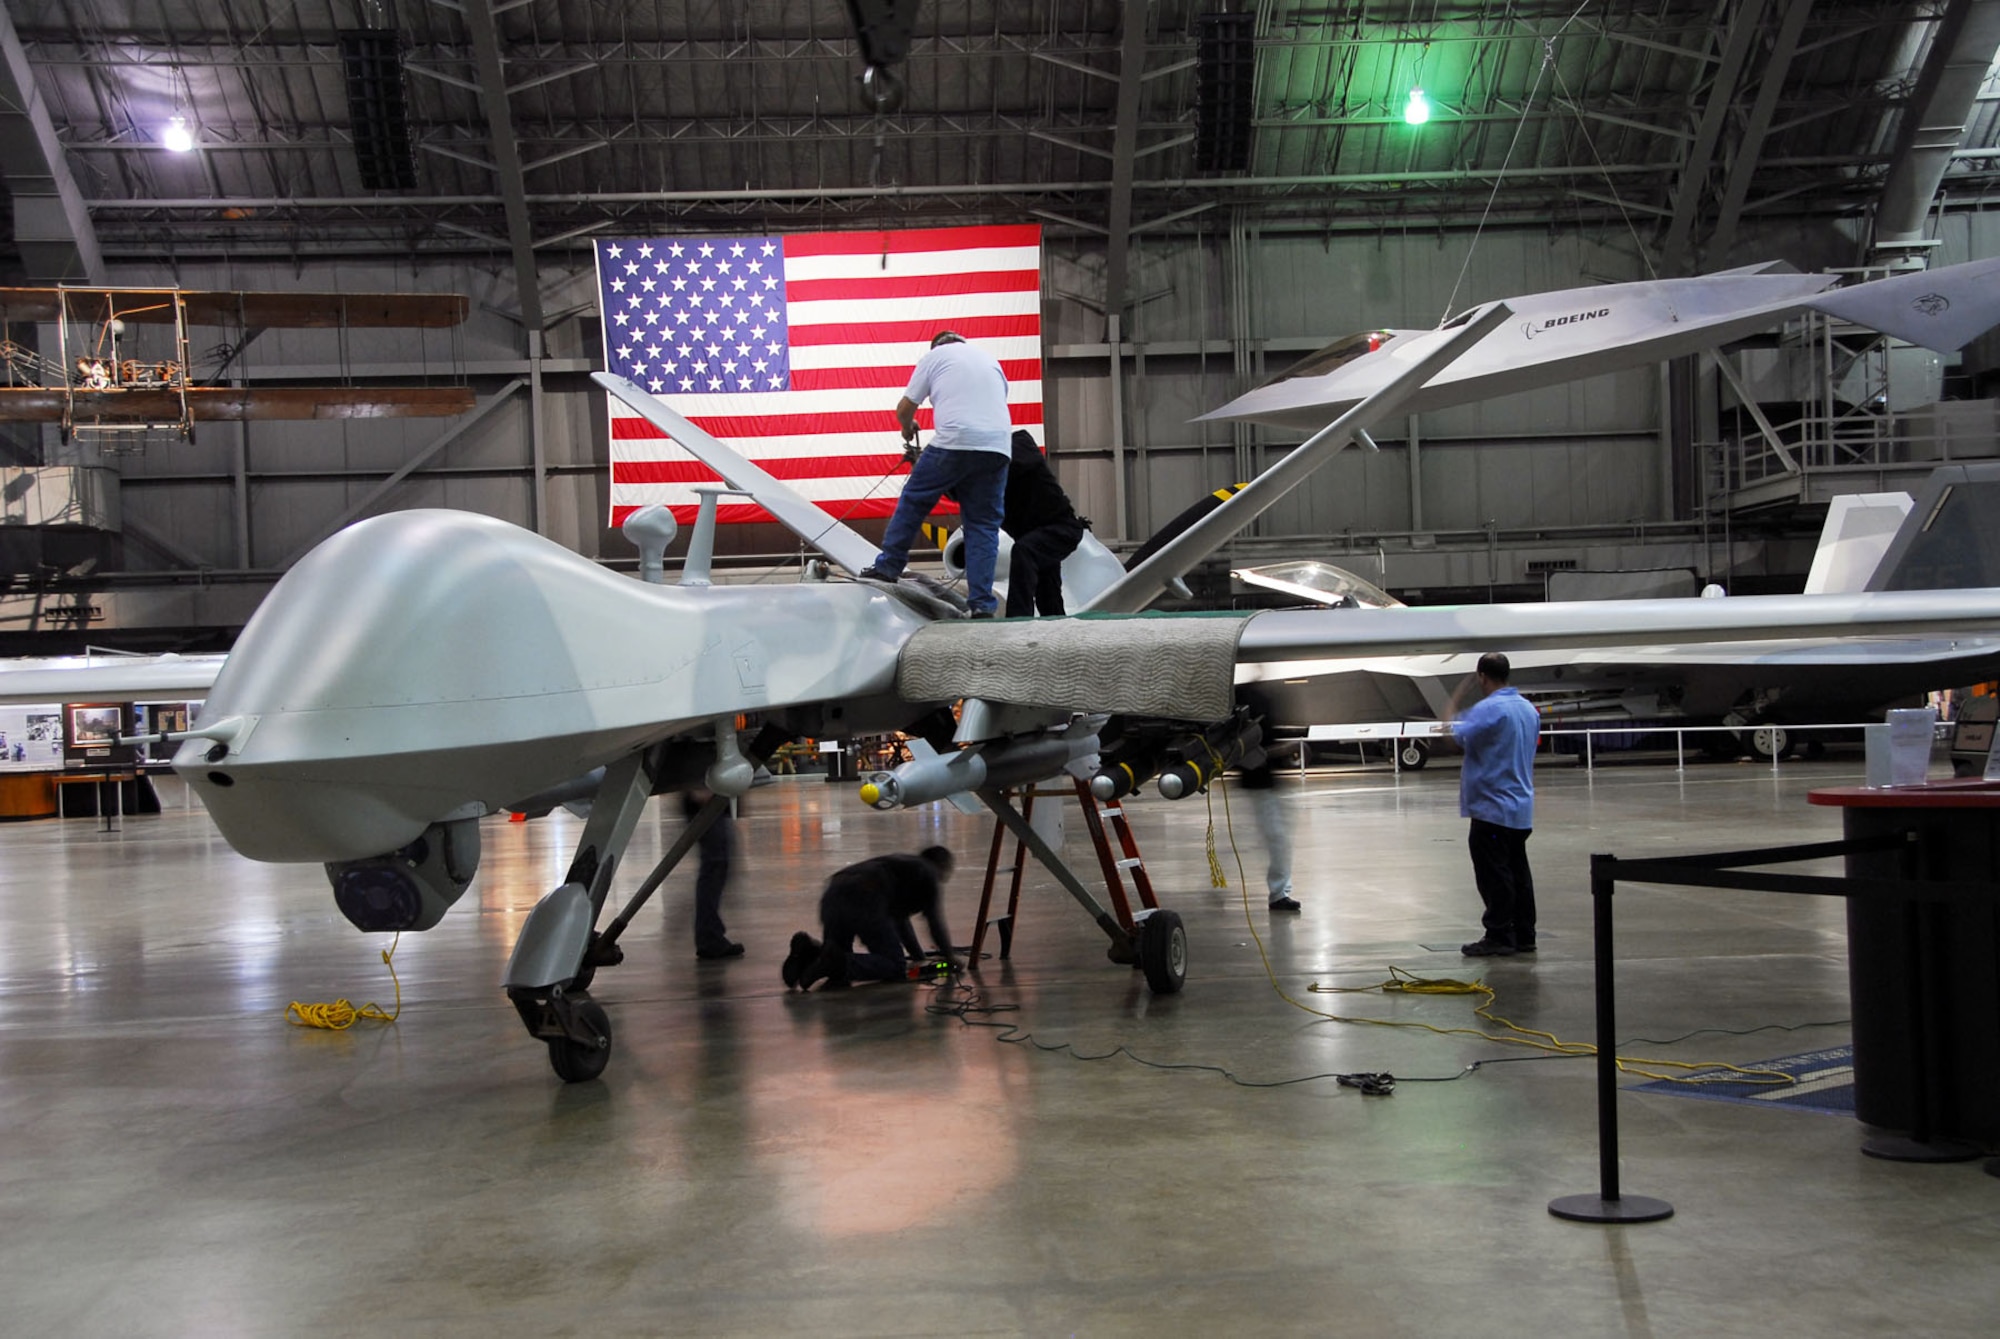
(1961, 51)
(485, 34)
(1677, 250)
(52, 228)
(1452, 176)
(1124, 146)
(1743, 167)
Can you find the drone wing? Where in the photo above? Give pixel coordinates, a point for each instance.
(169, 678)
(791, 508)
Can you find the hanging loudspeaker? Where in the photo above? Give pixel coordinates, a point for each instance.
(376, 108)
(1225, 66)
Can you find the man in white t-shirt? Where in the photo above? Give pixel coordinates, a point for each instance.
(971, 444)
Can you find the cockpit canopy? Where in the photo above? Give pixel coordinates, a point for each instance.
(1335, 355)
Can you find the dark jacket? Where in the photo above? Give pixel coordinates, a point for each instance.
(893, 886)
(1034, 498)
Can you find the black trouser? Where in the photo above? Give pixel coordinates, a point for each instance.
(1034, 576)
(711, 876)
(1506, 886)
(842, 922)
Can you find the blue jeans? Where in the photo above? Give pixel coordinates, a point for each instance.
(977, 480)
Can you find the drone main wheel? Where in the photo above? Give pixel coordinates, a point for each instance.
(577, 1062)
(1413, 754)
(1163, 952)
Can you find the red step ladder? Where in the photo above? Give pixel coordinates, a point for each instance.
(1114, 866)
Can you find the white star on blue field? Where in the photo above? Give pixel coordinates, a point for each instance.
(696, 316)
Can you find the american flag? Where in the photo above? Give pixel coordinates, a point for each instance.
(795, 349)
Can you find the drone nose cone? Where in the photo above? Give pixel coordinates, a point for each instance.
(423, 666)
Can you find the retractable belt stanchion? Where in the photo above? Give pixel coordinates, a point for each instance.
(1607, 1206)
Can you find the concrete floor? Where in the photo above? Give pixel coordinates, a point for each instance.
(180, 1161)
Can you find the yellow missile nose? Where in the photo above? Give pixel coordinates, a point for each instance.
(870, 793)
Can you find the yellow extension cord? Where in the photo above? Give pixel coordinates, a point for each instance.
(341, 1014)
(1408, 983)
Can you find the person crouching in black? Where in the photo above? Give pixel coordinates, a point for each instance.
(1044, 527)
(873, 900)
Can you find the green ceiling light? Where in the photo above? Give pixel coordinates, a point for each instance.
(1418, 109)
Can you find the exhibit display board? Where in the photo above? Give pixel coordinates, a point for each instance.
(31, 738)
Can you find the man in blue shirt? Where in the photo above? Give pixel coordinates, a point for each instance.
(1496, 790)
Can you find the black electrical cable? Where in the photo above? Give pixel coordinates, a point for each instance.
(962, 1002)
(1732, 1032)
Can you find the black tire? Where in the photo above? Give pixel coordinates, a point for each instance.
(1412, 754)
(575, 1062)
(1163, 952)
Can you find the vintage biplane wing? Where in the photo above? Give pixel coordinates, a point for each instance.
(248, 310)
(98, 374)
(420, 670)
(230, 404)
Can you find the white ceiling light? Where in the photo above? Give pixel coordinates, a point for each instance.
(177, 136)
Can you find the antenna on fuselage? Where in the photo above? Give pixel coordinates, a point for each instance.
(651, 529)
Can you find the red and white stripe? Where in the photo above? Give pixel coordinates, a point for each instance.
(861, 309)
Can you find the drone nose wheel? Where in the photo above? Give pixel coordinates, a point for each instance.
(580, 1061)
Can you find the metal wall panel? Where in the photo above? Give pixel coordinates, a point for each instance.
(1582, 454)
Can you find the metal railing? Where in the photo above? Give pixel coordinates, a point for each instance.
(1795, 735)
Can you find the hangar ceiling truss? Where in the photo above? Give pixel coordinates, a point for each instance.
(533, 125)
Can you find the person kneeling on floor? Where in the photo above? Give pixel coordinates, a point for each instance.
(873, 901)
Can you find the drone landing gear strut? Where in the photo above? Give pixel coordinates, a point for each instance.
(558, 953)
(1152, 939)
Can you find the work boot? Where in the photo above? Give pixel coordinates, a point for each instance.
(804, 949)
(818, 968)
(874, 573)
(830, 966)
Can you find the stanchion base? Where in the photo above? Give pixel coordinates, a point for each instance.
(1597, 1209)
(1902, 1148)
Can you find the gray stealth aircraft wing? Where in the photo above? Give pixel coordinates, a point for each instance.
(1581, 332)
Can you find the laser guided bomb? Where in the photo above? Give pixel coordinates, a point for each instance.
(1123, 773)
(1185, 765)
(1003, 763)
